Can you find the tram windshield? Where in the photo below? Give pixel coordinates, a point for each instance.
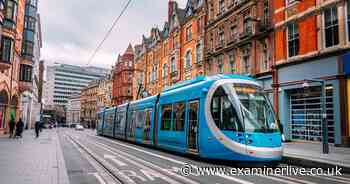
(230, 102)
(257, 112)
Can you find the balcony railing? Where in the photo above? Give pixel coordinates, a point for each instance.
(232, 38)
(246, 33)
(220, 45)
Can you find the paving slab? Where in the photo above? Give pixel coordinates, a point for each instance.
(31, 160)
(310, 154)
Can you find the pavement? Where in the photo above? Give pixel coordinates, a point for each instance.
(66, 156)
(30, 160)
(310, 154)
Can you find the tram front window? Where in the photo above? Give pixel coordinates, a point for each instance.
(223, 112)
(257, 112)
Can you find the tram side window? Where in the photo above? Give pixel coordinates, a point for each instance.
(179, 114)
(140, 119)
(109, 120)
(117, 121)
(166, 117)
(223, 113)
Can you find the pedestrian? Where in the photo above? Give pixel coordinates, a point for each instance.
(37, 128)
(19, 128)
(12, 125)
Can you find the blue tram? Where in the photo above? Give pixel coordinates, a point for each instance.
(220, 117)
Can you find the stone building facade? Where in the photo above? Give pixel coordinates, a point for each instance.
(18, 26)
(88, 109)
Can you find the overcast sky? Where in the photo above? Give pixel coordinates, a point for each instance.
(72, 29)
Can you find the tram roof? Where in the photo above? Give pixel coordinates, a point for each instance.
(208, 78)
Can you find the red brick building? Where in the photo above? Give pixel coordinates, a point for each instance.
(123, 77)
(310, 36)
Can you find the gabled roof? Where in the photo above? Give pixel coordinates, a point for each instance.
(129, 50)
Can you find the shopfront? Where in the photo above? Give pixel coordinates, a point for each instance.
(300, 106)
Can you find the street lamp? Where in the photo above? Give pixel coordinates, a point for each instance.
(306, 84)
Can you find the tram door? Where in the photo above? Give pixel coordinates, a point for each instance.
(192, 129)
(147, 127)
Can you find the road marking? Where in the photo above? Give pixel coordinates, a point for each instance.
(115, 160)
(99, 178)
(170, 159)
(143, 151)
(295, 179)
(343, 178)
(278, 179)
(168, 179)
(131, 173)
(94, 164)
(108, 165)
(235, 179)
(331, 179)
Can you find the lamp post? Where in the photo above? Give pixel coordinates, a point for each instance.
(325, 145)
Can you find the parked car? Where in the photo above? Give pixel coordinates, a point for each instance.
(79, 127)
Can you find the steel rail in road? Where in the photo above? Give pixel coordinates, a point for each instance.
(111, 171)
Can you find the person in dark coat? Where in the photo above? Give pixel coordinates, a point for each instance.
(12, 126)
(37, 128)
(19, 128)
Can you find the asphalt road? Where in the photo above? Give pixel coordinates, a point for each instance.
(92, 159)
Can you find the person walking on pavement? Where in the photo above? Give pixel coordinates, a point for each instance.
(12, 126)
(19, 128)
(37, 128)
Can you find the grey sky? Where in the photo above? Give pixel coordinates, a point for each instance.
(73, 28)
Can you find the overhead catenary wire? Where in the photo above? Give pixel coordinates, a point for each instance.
(108, 32)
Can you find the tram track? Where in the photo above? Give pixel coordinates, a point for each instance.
(113, 175)
(161, 163)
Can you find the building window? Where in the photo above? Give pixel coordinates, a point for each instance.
(200, 24)
(221, 37)
(29, 23)
(11, 13)
(172, 65)
(264, 57)
(188, 59)
(189, 33)
(266, 13)
(331, 26)
(26, 73)
(199, 53)
(233, 31)
(221, 63)
(247, 23)
(164, 71)
(246, 61)
(221, 6)
(32, 2)
(7, 47)
(232, 62)
(293, 39)
(28, 48)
